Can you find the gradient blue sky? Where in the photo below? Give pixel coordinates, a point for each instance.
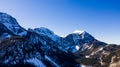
(101, 18)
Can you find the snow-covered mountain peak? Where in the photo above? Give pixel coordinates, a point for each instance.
(79, 31)
(76, 32)
(43, 30)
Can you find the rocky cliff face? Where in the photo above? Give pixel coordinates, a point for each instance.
(40, 47)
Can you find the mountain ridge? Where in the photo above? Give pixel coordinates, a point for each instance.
(19, 46)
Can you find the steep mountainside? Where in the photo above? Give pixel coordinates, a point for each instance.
(9, 26)
(41, 47)
(83, 40)
(109, 56)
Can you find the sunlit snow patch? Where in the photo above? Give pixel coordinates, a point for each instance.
(78, 31)
(77, 47)
(63, 36)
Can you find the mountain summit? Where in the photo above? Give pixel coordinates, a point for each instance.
(79, 31)
(41, 47)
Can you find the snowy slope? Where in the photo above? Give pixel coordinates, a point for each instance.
(46, 32)
(11, 24)
(36, 62)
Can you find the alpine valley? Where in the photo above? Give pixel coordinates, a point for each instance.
(41, 47)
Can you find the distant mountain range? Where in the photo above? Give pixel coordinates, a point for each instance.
(41, 47)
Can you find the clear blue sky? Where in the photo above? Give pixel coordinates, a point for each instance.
(101, 18)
